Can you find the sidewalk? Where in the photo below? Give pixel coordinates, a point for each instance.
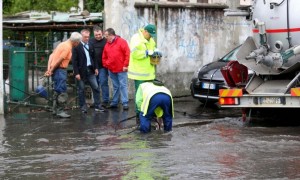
(186, 110)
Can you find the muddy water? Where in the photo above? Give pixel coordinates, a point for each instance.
(96, 146)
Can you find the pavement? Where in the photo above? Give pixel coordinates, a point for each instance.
(187, 111)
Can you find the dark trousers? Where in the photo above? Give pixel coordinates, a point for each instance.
(92, 81)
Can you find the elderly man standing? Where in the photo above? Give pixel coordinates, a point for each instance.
(116, 58)
(142, 46)
(57, 65)
(85, 71)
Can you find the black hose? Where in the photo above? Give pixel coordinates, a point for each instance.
(206, 100)
(281, 2)
(126, 119)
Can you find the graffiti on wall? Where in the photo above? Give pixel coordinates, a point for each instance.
(180, 37)
(131, 23)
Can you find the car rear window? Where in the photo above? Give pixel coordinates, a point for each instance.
(231, 55)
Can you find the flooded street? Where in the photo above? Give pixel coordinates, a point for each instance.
(212, 145)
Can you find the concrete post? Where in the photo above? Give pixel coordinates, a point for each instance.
(1, 67)
(233, 4)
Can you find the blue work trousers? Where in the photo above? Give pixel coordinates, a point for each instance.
(158, 100)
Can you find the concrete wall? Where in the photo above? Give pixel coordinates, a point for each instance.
(187, 37)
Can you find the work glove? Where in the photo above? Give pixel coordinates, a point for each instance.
(149, 52)
(156, 53)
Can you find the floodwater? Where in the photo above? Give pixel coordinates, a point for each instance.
(215, 144)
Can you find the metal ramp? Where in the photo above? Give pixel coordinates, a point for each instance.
(272, 87)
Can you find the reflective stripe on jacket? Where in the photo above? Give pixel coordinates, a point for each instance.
(144, 94)
(139, 64)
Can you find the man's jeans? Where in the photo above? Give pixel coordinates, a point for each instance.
(103, 84)
(91, 79)
(119, 81)
(59, 78)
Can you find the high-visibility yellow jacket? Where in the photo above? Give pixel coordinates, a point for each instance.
(139, 63)
(144, 94)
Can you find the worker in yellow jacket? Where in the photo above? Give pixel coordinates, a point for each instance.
(154, 99)
(142, 46)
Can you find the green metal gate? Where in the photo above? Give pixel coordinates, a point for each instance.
(18, 74)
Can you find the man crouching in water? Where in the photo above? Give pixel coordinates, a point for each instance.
(57, 69)
(153, 99)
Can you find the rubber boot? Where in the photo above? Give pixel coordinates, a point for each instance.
(60, 106)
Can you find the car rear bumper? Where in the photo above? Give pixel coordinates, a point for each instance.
(198, 92)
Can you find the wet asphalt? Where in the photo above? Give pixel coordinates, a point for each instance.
(206, 143)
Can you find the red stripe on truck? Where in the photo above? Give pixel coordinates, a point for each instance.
(278, 30)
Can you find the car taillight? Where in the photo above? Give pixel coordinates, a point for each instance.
(228, 101)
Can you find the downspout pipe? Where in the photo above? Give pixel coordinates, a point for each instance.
(236, 13)
(288, 24)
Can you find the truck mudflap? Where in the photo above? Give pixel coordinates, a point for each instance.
(234, 98)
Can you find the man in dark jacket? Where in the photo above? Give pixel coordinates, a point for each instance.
(97, 44)
(85, 70)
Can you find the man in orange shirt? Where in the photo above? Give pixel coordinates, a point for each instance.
(57, 68)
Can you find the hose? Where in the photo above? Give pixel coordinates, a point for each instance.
(206, 100)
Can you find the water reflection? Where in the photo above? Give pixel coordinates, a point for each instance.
(2, 127)
(3, 142)
(229, 159)
(144, 157)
